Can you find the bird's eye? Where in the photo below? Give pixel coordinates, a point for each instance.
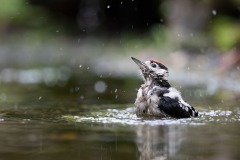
(153, 65)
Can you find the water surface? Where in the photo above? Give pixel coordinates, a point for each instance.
(115, 132)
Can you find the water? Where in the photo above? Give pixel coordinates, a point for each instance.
(73, 120)
(127, 116)
(68, 131)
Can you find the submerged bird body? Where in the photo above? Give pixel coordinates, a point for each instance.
(156, 96)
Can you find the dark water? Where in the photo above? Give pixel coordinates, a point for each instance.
(49, 124)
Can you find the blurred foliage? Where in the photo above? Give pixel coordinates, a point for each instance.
(226, 33)
(18, 18)
(10, 9)
(21, 12)
(35, 19)
(160, 34)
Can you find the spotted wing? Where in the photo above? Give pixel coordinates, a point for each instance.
(174, 108)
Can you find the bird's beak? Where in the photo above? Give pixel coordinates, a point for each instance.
(140, 64)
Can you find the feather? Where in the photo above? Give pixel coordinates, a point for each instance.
(174, 108)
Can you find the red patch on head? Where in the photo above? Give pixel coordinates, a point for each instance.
(154, 60)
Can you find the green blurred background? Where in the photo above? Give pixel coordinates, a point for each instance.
(79, 50)
(68, 84)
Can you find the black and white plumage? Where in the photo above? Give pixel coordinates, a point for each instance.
(156, 96)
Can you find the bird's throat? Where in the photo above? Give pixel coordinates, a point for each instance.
(162, 83)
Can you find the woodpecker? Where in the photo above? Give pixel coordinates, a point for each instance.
(156, 96)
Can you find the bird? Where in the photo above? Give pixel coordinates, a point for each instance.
(156, 97)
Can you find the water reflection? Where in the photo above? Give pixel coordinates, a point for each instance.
(159, 139)
(159, 142)
(28, 139)
(114, 132)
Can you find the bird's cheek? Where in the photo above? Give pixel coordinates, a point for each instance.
(161, 72)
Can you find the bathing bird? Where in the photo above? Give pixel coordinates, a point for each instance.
(156, 96)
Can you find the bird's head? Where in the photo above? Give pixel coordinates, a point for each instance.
(152, 69)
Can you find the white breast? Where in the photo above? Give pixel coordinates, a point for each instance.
(152, 101)
(141, 100)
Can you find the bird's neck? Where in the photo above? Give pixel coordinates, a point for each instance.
(164, 83)
(161, 83)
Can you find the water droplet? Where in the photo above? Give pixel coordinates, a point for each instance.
(57, 31)
(81, 97)
(77, 89)
(108, 6)
(88, 68)
(80, 66)
(121, 2)
(214, 12)
(191, 34)
(100, 86)
(116, 96)
(115, 90)
(39, 98)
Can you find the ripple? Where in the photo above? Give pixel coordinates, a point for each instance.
(128, 117)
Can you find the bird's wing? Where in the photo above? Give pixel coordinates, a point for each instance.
(174, 108)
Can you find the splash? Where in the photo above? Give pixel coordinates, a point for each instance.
(128, 117)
